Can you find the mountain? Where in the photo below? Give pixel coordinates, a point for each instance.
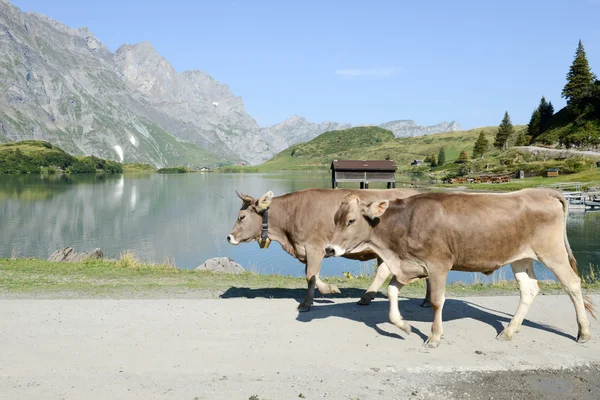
(297, 130)
(374, 143)
(64, 86)
(409, 128)
(193, 97)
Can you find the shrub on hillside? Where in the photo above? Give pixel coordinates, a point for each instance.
(83, 166)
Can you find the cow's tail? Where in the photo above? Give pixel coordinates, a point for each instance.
(587, 301)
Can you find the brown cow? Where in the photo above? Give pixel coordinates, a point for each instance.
(302, 222)
(427, 235)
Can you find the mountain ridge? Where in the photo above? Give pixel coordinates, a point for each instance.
(63, 85)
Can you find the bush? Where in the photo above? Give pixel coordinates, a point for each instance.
(173, 170)
(464, 170)
(83, 166)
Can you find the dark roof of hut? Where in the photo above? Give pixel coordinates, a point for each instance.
(363, 165)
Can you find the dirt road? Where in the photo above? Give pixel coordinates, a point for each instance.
(263, 349)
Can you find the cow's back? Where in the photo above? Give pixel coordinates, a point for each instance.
(311, 211)
(479, 229)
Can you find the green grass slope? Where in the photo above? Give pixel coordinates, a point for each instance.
(566, 129)
(32, 156)
(375, 143)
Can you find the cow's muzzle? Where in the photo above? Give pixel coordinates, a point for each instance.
(333, 251)
(231, 239)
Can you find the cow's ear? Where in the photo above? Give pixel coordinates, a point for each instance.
(265, 201)
(245, 198)
(376, 209)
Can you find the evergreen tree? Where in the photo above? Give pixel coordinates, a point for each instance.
(521, 139)
(546, 112)
(463, 157)
(18, 154)
(430, 159)
(579, 77)
(441, 159)
(481, 146)
(533, 127)
(505, 131)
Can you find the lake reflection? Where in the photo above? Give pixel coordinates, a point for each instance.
(182, 217)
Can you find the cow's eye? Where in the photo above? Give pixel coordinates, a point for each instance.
(350, 222)
(242, 217)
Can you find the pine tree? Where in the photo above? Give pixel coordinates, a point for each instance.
(579, 77)
(521, 139)
(481, 146)
(430, 159)
(533, 127)
(505, 130)
(441, 159)
(546, 112)
(463, 157)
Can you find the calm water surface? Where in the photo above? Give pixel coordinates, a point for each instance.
(184, 218)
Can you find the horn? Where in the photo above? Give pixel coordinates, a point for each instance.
(245, 198)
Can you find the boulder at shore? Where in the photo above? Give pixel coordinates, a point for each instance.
(68, 254)
(221, 264)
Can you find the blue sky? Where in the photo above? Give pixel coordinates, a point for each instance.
(357, 61)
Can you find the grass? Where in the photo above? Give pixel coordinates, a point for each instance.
(174, 170)
(137, 167)
(587, 178)
(31, 156)
(128, 277)
(372, 143)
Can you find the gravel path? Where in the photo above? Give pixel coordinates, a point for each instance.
(263, 349)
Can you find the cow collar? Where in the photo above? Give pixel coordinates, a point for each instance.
(264, 240)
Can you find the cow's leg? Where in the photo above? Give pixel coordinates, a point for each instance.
(559, 265)
(395, 317)
(528, 286)
(427, 300)
(383, 273)
(438, 297)
(313, 267)
(326, 288)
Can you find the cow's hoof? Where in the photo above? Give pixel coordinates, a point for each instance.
(426, 303)
(403, 325)
(583, 338)
(334, 289)
(504, 336)
(304, 307)
(431, 343)
(365, 300)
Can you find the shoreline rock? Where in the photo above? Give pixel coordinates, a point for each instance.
(68, 254)
(221, 265)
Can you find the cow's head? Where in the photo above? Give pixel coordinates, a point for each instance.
(353, 223)
(249, 220)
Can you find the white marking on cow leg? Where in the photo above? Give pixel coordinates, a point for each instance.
(383, 272)
(395, 317)
(438, 297)
(326, 288)
(528, 286)
(559, 265)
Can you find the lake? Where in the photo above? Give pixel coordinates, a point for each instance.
(184, 218)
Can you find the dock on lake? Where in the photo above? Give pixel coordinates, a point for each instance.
(578, 200)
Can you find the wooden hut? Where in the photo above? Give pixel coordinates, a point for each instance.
(552, 172)
(364, 172)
